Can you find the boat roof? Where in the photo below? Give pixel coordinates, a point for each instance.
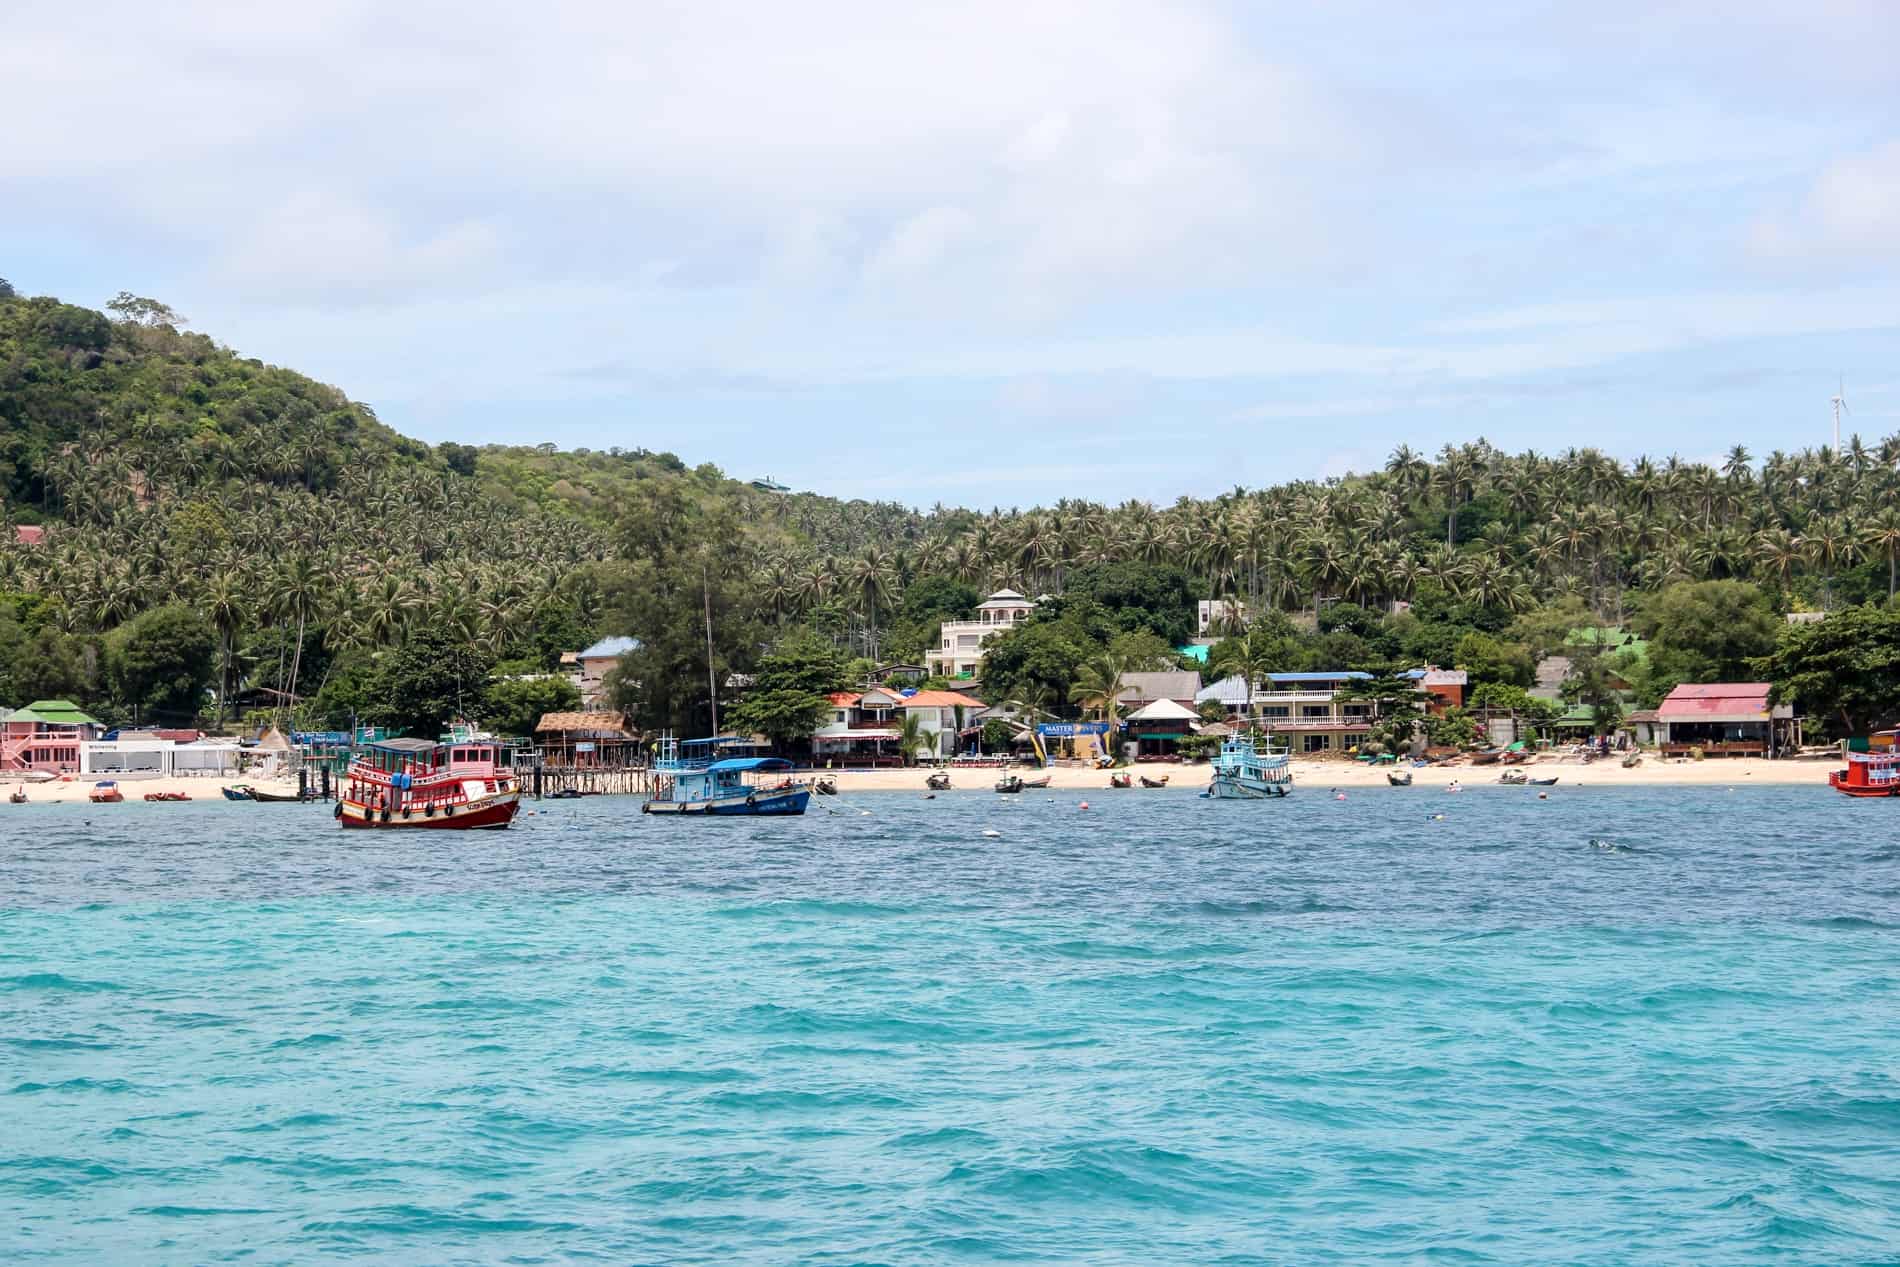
(714, 740)
(405, 745)
(750, 763)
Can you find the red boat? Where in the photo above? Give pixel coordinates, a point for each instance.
(457, 786)
(1868, 774)
(166, 796)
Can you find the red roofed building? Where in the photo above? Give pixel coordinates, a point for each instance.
(1725, 719)
(863, 726)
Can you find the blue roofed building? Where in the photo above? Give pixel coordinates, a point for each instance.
(592, 666)
(1305, 711)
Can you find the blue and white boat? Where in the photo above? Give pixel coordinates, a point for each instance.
(694, 779)
(1244, 772)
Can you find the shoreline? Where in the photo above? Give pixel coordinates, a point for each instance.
(1653, 772)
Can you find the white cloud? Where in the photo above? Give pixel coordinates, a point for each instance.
(317, 246)
(1851, 212)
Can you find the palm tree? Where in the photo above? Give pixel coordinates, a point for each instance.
(1252, 657)
(1096, 685)
(911, 736)
(1882, 532)
(225, 604)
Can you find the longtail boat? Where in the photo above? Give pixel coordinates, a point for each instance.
(403, 783)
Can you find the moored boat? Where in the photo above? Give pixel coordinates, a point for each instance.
(1399, 778)
(237, 792)
(1009, 784)
(166, 796)
(17, 796)
(696, 782)
(1123, 779)
(1040, 782)
(279, 798)
(1148, 782)
(1242, 772)
(938, 781)
(456, 786)
(1514, 777)
(105, 792)
(1868, 774)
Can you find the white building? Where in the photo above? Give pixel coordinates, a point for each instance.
(1219, 613)
(959, 649)
(141, 755)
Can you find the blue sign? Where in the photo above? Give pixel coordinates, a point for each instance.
(1070, 729)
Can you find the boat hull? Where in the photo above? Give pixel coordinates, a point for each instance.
(491, 813)
(1837, 780)
(777, 804)
(1232, 789)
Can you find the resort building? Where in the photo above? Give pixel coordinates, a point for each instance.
(130, 754)
(45, 737)
(959, 649)
(1156, 728)
(1305, 711)
(1725, 719)
(864, 726)
(595, 663)
(1142, 689)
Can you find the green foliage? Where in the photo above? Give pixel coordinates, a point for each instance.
(1143, 651)
(786, 701)
(1504, 696)
(1037, 660)
(159, 663)
(1842, 672)
(1711, 631)
(1133, 595)
(1592, 683)
(1489, 659)
(512, 705)
(428, 681)
(1454, 728)
(998, 735)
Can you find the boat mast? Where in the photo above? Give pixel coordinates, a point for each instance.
(712, 684)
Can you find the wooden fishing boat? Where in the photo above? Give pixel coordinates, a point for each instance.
(1514, 777)
(1868, 774)
(1041, 782)
(1148, 782)
(237, 792)
(825, 785)
(696, 782)
(17, 796)
(417, 783)
(939, 781)
(105, 793)
(279, 798)
(1124, 779)
(1009, 784)
(1488, 756)
(1544, 782)
(1399, 778)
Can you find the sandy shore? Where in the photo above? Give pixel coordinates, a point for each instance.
(1306, 774)
(79, 788)
(1350, 774)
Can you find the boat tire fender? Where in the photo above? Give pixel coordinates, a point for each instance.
(646, 809)
(338, 811)
(428, 811)
(385, 813)
(448, 811)
(405, 811)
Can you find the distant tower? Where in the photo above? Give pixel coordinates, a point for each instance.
(1840, 406)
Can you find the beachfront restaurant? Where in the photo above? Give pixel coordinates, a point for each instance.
(1156, 728)
(1725, 719)
(131, 754)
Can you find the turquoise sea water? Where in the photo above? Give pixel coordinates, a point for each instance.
(1163, 1031)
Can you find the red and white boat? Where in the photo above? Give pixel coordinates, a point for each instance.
(1868, 774)
(399, 783)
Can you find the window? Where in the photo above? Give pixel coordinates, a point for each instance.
(1317, 743)
(1315, 711)
(1281, 711)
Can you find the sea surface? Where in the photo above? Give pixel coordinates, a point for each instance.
(1615, 1026)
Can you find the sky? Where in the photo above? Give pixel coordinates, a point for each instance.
(994, 253)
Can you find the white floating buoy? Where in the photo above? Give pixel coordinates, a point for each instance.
(992, 833)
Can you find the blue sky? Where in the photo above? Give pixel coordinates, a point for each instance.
(995, 253)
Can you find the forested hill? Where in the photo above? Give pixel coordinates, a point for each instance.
(211, 521)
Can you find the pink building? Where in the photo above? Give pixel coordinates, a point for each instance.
(44, 736)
